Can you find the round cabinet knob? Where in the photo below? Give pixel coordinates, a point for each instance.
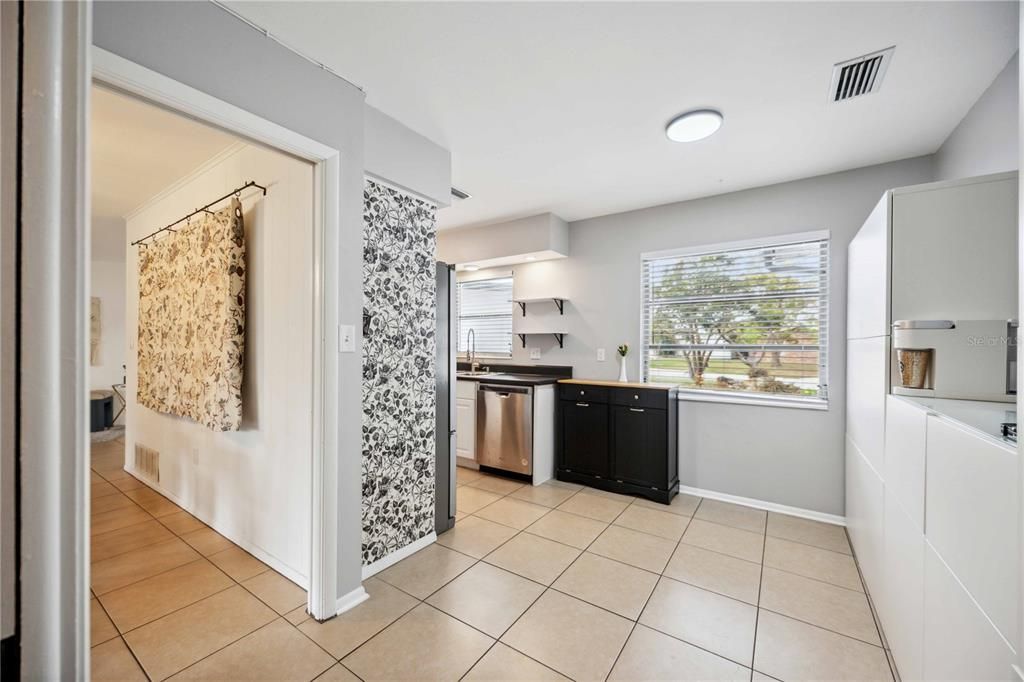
(636, 397)
(583, 392)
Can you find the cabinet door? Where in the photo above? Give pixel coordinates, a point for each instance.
(585, 438)
(465, 428)
(867, 298)
(639, 448)
(865, 508)
(906, 428)
(901, 609)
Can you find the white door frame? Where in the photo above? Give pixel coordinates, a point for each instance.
(127, 76)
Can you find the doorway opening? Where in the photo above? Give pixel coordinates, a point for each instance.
(205, 509)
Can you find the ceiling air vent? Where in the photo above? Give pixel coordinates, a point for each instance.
(860, 76)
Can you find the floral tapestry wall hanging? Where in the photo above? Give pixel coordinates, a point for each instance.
(192, 320)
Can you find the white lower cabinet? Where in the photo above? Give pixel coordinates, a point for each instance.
(465, 420)
(971, 517)
(906, 426)
(959, 642)
(902, 608)
(865, 504)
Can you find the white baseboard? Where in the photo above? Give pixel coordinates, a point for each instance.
(767, 506)
(393, 558)
(350, 600)
(261, 554)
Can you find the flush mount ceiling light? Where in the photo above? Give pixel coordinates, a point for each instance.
(694, 125)
(471, 268)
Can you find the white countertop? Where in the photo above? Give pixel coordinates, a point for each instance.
(979, 416)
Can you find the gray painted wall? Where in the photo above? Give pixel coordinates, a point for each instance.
(986, 140)
(783, 455)
(405, 158)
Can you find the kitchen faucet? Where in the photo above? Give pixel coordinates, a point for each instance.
(471, 349)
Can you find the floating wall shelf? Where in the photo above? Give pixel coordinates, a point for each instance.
(560, 302)
(559, 336)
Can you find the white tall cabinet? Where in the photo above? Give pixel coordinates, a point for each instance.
(931, 504)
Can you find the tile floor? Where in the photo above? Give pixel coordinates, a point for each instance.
(551, 582)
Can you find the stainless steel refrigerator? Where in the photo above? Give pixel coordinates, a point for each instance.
(444, 511)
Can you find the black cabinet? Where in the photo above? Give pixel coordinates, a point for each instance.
(622, 439)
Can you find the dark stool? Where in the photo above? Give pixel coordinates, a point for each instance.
(101, 410)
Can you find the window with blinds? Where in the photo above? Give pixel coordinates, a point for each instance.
(485, 306)
(748, 319)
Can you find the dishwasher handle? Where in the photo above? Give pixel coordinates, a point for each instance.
(504, 391)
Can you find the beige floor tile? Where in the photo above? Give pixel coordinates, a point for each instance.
(790, 650)
(716, 572)
(179, 639)
(112, 543)
(274, 652)
(152, 598)
(496, 484)
(108, 503)
(181, 523)
(207, 541)
(828, 606)
(238, 563)
(464, 475)
(153, 502)
(609, 584)
(119, 518)
(113, 662)
(514, 513)
(533, 557)
(577, 639)
(427, 570)
(681, 504)
(101, 628)
(106, 457)
(645, 520)
(569, 529)
(337, 673)
(652, 655)
(593, 506)
(424, 644)
(642, 550)
(95, 478)
(469, 500)
(127, 483)
(741, 544)
(102, 489)
(734, 515)
(297, 616)
(721, 625)
(628, 499)
(487, 597)
(340, 635)
(505, 664)
(475, 536)
(139, 564)
(812, 562)
(116, 475)
(550, 494)
(276, 591)
(824, 535)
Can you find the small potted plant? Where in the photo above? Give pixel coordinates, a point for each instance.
(623, 351)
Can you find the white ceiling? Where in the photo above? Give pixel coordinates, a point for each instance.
(561, 107)
(139, 149)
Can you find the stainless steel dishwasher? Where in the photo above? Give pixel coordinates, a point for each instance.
(504, 427)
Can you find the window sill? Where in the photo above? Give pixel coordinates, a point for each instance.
(701, 397)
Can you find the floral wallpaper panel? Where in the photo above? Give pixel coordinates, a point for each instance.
(191, 330)
(399, 306)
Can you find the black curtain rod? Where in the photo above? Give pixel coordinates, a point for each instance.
(232, 193)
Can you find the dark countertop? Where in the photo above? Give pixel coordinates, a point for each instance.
(511, 379)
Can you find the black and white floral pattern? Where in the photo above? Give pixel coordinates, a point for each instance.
(400, 308)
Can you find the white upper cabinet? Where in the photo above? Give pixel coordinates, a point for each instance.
(971, 518)
(867, 362)
(867, 295)
(954, 250)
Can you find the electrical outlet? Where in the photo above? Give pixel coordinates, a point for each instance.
(600, 355)
(535, 353)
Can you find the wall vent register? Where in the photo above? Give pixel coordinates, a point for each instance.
(860, 76)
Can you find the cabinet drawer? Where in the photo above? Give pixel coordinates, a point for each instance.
(640, 397)
(589, 394)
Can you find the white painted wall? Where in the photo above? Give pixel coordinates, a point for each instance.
(107, 281)
(787, 456)
(986, 140)
(253, 485)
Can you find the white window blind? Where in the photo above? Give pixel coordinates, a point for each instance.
(747, 320)
(485, 306)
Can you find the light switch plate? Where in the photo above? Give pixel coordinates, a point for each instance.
(346, 338)
(600, 354)
(535, 353)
